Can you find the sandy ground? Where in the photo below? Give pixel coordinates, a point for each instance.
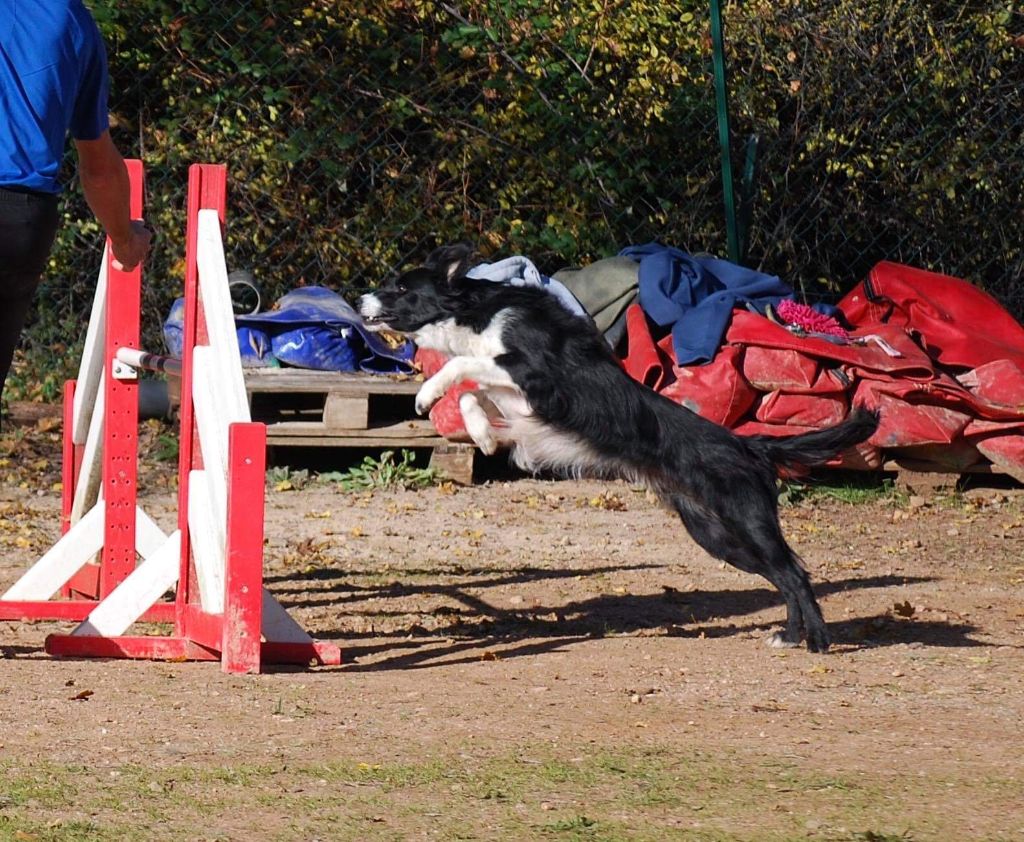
(541, 659)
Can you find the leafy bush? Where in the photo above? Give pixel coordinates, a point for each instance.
(890, 130)
(358, 135)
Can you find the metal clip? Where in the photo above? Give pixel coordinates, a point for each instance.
(123, 371)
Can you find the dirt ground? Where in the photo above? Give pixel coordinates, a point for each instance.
(532, 659)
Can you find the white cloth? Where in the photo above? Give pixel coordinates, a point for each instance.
(519, 271)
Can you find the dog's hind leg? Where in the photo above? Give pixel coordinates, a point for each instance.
(764, 552)
(803, 612)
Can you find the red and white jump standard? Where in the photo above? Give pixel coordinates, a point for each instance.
(113, 564)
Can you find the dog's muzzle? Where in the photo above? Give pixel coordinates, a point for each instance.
(370, 308)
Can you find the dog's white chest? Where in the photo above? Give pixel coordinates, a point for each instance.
(458, 340)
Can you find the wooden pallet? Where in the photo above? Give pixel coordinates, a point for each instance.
(335, 409)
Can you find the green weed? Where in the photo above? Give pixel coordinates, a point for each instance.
(165, 448)
(384, 474)
(283, 478)
(855, 490)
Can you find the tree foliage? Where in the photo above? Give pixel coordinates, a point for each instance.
(360, 134)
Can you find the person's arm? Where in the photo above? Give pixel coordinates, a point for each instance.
(104, 180)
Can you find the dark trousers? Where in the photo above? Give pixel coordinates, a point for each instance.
(28, 224)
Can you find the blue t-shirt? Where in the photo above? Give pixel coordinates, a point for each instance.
(53, 79)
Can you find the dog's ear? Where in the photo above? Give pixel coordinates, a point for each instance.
(453, 261)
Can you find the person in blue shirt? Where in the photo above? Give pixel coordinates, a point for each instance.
(53, 82)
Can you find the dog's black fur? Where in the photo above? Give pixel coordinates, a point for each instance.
(553, 390)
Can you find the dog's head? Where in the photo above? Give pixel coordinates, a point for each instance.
(420, 296)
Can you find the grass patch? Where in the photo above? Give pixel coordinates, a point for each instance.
(580, 793)
(853, 489)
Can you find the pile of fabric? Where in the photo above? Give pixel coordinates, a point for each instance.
(941, 359)
(309, 327)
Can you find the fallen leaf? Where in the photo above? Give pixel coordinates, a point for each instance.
(903, 609)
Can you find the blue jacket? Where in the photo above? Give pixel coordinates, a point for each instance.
(695, 296)
(53, 79)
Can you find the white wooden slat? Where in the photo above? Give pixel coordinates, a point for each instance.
(65, 558)
(140, 589)
(210, 412)
(90, 473)
(207, 537)
(219, 314)
(148, 536)
(278, 625)
(88, 385)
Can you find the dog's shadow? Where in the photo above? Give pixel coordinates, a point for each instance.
(476, 628)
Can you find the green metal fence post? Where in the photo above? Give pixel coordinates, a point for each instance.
(722, 103)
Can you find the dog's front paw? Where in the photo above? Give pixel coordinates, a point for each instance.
(487, 443)
(425, 399)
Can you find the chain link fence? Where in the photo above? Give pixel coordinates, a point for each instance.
(358, 135)
(889, 130)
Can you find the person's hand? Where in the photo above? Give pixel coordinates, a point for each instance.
(130, 252)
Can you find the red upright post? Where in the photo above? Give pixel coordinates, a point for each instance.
(243, 574)
(120, 434)
(207, 189)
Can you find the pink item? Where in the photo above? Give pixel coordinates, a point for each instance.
(809, 319)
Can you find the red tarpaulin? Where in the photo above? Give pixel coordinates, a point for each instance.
(942, 360)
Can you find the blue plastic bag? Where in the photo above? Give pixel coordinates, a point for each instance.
(254, 345)
(314, 327)
(310, 327)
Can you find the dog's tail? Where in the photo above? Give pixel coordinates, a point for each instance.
(821, 445)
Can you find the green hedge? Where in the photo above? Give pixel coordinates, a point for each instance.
(891, 130)
(360, 134)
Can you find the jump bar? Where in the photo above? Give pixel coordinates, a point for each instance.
(149, 362)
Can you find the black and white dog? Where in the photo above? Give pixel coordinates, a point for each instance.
(552, 390)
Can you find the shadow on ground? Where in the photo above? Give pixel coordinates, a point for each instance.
(473, 626)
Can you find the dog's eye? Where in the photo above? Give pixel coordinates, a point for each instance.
(401, 288)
